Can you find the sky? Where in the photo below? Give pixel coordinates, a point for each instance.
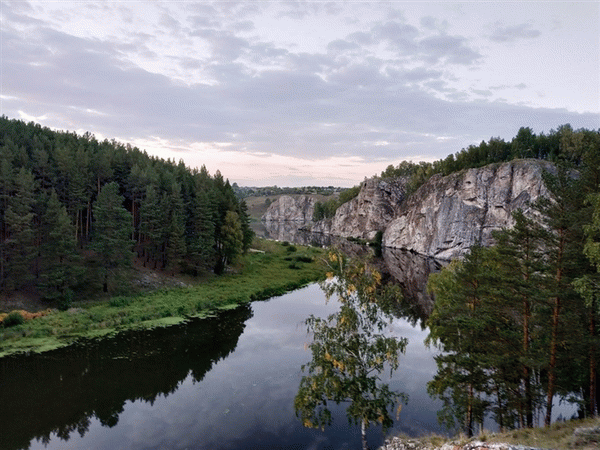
(300, 93)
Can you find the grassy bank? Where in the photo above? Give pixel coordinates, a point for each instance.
(272, 269)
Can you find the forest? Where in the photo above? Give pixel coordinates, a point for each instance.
(75, 213)
(519, 322)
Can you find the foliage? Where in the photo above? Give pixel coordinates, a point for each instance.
(112, 233)
(242, 192)
(50, 184)
(519, 321)
(577, 147)
(349, 350)
(12, 319)
(326, 210)
(265, 275)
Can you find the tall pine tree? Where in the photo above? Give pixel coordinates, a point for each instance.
(112, 236)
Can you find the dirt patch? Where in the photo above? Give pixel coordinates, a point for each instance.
(26, 315)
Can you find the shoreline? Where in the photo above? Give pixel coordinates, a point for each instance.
(270, 272)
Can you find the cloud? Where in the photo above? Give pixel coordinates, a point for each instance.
(218, 78)
(340, 46)
(453, 49)
(514, 33)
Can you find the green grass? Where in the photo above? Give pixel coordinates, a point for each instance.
(257, 276)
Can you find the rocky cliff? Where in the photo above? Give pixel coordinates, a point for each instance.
(291, 209)
(447, 215)
(371, 211)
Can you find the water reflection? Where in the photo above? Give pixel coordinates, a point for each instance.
(409, 270)
(222, 383)
(61, 391)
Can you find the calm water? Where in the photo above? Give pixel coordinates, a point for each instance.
(222, 383)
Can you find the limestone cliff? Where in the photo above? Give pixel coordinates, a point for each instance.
(447, 215)
(291, 209)
(371, 211)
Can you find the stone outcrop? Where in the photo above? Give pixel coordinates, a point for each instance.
(291, 209)
(371, 211)
(447, 215)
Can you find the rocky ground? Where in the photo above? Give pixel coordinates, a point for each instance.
(581, 438)
(402, 444)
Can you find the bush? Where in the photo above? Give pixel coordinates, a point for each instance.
(66, 300)
(304, 259)
(119, 301)
(291, 248)
(13, 319)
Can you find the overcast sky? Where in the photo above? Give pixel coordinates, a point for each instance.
(301, 93)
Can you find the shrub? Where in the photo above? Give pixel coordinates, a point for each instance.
(304, 259)
(119, 301)
(66, 300)
(291, 248)
(13, 319)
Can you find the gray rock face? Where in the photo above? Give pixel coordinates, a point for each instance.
(291, 209)
(371, 211)
(447, 215)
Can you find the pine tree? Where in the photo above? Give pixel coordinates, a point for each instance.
(565, 259)
(248, 234)
(467, 325)
(176, 248)
(150, 224)
(60, 261)
(521, 265)
(112, 235)
(19, 249)
(232, 241)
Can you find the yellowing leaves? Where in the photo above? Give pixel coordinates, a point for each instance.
(338, 365)
(351, 289)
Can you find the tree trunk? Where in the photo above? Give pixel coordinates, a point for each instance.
(551, 368)
(593, 372)
(555, 322)
(526, 371)
(363, 434)
(469, 418)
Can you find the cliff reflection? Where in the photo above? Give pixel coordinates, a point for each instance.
(411, 271)
(61, 391)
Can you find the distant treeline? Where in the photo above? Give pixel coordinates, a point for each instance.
(245, 191)
(561, 145)
(74, 209)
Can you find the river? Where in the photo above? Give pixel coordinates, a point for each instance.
(226, 382)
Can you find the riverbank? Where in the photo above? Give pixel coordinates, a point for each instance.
(569, 435)
(271, 270)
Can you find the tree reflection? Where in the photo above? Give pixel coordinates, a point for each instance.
(350, 351)
(58, 392)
